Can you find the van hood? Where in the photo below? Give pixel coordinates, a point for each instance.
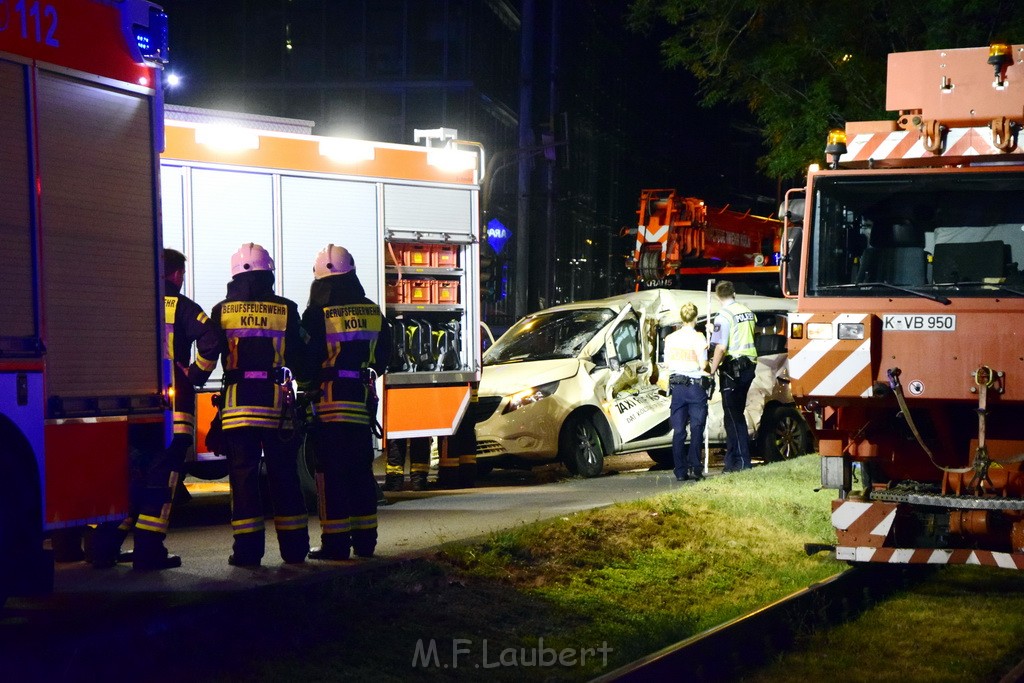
(501, 380)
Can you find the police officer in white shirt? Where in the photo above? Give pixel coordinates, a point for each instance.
(686, 358)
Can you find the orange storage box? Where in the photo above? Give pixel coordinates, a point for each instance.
(447, 292)
(446, 256)
(418, 255)
(419, 291)
(394, 292)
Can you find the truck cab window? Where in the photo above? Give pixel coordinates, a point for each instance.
(937, 234)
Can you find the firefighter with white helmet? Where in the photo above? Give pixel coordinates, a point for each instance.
(350, 343)
(262, 344)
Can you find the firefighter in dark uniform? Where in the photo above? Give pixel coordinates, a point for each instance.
(417, 451)
(185, 324)
(456, 466)
(262, 343)
(350, 343)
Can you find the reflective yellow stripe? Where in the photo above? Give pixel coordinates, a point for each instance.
(394, 469)
(364, 522)
(336, 526)
(126, 524)
(290, 523)
(205, 364)
(154, 524)
(247, 526)
(419, 468)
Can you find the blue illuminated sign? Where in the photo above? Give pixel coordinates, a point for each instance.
(497, 234)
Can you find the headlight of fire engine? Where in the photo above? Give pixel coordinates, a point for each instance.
(529, 396)
(851, 331)
(819, 330)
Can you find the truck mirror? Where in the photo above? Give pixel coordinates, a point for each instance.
(790, 270)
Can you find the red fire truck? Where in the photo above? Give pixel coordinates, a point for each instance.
(81, 372)
(906, 348)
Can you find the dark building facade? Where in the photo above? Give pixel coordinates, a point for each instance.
(378, 69)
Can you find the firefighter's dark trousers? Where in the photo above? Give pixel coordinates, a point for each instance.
(348, 491)
(417, 451)
(154, 479)
(243, 446)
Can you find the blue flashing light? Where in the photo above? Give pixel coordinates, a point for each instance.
(152, 39)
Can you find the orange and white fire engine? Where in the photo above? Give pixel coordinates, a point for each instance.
(82, 374)
(681, 242)
(906, 350)
(409, 214)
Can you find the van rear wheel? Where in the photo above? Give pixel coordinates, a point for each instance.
(580, 447)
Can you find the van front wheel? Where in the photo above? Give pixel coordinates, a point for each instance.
(580, 447)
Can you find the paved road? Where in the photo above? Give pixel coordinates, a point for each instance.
(96, 620)
(413, 522)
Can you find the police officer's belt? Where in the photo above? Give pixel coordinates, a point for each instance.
(683, 379)
(739, 363)
(335, 374)
(276, 375)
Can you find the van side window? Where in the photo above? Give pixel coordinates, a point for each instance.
(626, 339)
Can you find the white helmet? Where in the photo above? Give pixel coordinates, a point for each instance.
(333, 260)
(250, 257)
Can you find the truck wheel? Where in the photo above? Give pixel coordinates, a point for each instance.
(784, 434)
(580, 447)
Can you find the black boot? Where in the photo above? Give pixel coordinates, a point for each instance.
(393, 482)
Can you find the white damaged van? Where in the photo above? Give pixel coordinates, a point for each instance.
(579, 381)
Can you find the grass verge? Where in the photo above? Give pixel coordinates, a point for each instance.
(607, 586)
(960, 626)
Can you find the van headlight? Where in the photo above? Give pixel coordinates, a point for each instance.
(529, 396)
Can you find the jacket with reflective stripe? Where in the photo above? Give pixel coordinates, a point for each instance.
(259, 334)
(346, 336)
(185, 323)
(741, 331)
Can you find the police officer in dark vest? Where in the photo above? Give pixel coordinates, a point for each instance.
(350, 343)
(185, 324)
(262, 344)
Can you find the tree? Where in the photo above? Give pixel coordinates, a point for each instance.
(805, 66)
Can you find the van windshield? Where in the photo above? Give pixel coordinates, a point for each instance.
(559, 334)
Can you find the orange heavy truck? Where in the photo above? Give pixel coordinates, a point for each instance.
(907, 350)
(82, 375)
(681, 242)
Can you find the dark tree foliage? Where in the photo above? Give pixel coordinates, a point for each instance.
(805, 66)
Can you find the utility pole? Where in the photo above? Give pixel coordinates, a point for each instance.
(522, 273)
(548, 286)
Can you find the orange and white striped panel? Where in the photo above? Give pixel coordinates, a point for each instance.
(831, 367)
(985, 558)
(905, 144)
(861, 523)
(650, 235)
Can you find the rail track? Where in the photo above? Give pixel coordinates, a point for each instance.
(725, 651)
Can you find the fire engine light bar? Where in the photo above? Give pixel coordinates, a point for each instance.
(227, 138)
(151, 39)
(452, 160)
(819, 330)
(347, 151)
(851, 331)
